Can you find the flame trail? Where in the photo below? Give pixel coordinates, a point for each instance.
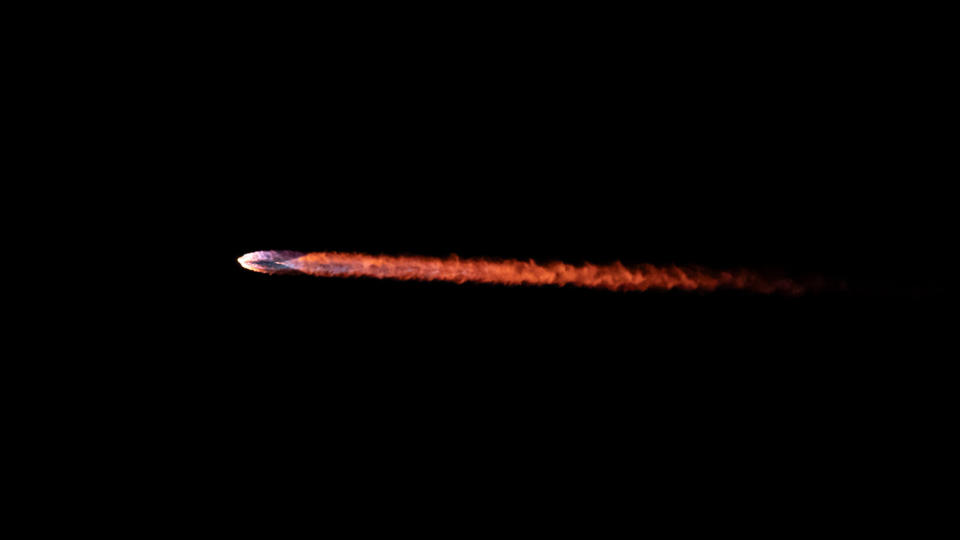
(614, 276)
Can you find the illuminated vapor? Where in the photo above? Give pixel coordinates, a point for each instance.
(615, 277)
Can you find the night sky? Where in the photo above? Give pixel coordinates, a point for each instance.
(808, 155)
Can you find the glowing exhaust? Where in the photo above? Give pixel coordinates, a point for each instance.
(615, 277)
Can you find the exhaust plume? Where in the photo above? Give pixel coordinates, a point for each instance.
(615, 277)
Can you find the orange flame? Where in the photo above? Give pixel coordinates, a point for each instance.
(616, 276)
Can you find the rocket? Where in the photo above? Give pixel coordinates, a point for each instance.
(269, 262)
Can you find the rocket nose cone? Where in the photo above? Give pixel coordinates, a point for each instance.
(270, 262)
(250, 262)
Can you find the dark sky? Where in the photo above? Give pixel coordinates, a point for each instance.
(676, 140)
(811, 153)
(774, 150)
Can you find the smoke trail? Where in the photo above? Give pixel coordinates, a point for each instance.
(614, 276)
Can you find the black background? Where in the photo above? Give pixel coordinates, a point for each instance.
(810, 146)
